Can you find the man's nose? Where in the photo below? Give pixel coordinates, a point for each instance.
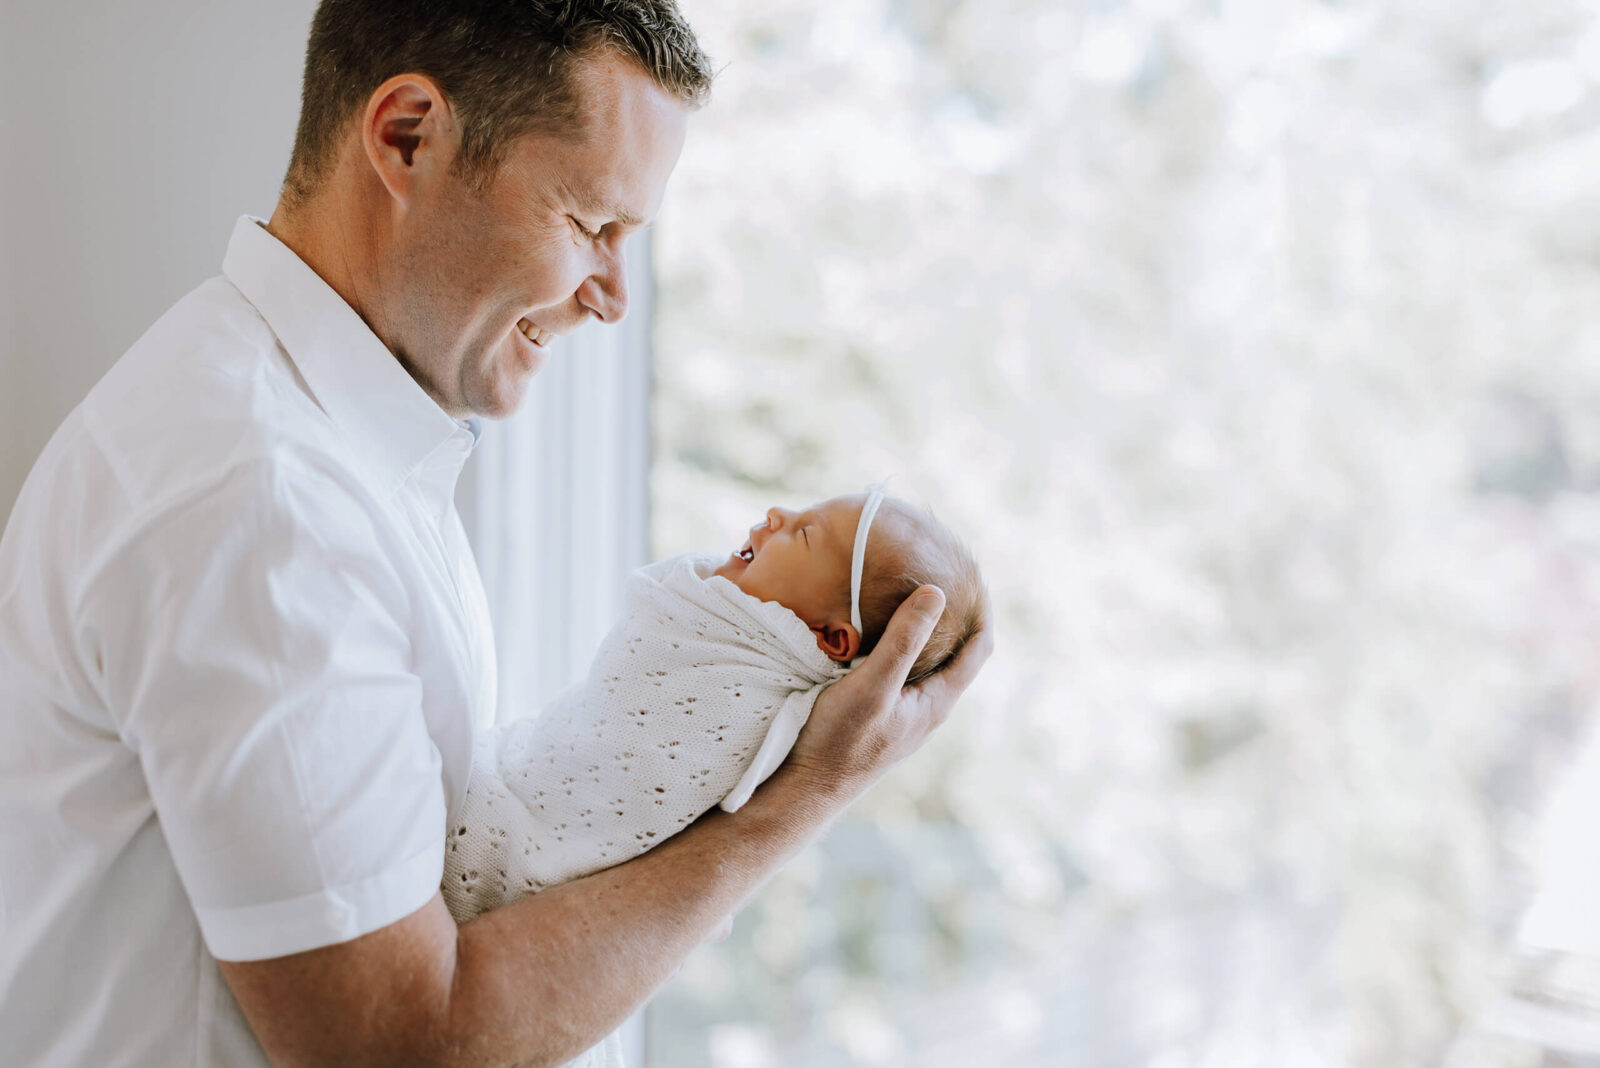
(605, 292)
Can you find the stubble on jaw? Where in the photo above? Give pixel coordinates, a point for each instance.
(420, 377)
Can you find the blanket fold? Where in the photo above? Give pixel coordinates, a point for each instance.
(694, 698)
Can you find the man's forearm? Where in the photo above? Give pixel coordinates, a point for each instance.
(543, 979)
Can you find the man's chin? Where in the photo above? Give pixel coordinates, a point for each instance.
(502, 398)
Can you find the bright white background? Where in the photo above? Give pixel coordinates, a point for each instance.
(1252, 344)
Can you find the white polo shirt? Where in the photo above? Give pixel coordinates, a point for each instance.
(243, 645)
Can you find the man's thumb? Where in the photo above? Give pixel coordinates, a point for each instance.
(908, 632)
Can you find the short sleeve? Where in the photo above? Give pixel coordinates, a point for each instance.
(252, 643)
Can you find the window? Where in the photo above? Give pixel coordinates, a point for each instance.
(1249, 346)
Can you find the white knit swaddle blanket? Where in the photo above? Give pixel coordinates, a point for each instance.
(694, 698)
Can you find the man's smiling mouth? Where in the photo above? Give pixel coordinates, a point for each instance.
(534, 334)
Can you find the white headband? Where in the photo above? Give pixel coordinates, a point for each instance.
(858, 554)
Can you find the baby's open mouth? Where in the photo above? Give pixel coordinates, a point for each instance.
(746, 554)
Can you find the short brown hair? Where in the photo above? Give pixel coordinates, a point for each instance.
(504, 65)
(908, 547)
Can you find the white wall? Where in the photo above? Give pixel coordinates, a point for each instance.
(11, 447)
(134, 135)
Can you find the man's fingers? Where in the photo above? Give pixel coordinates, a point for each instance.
(943, 688)
(906, 634)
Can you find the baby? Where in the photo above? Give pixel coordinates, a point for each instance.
(698, 693)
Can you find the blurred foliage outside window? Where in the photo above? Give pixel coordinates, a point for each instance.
(1255, 349)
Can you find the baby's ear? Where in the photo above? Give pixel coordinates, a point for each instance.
(839, 640)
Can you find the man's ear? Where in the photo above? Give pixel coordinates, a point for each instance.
(839, 640)
(408, 133)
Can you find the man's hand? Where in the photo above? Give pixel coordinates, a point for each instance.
(869, 720)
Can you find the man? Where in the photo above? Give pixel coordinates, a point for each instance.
(242, 642)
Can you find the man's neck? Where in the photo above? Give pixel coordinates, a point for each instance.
(335, 238)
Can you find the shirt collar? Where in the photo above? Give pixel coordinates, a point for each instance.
(352, 375)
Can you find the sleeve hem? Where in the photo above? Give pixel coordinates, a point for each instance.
(324, 918)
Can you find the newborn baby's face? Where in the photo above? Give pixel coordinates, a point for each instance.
(802, 561)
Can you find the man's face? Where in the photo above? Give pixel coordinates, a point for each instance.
(487, 280)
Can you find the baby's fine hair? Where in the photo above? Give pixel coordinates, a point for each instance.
(907, 547)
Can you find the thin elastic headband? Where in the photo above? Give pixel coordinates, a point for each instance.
(858, 554)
